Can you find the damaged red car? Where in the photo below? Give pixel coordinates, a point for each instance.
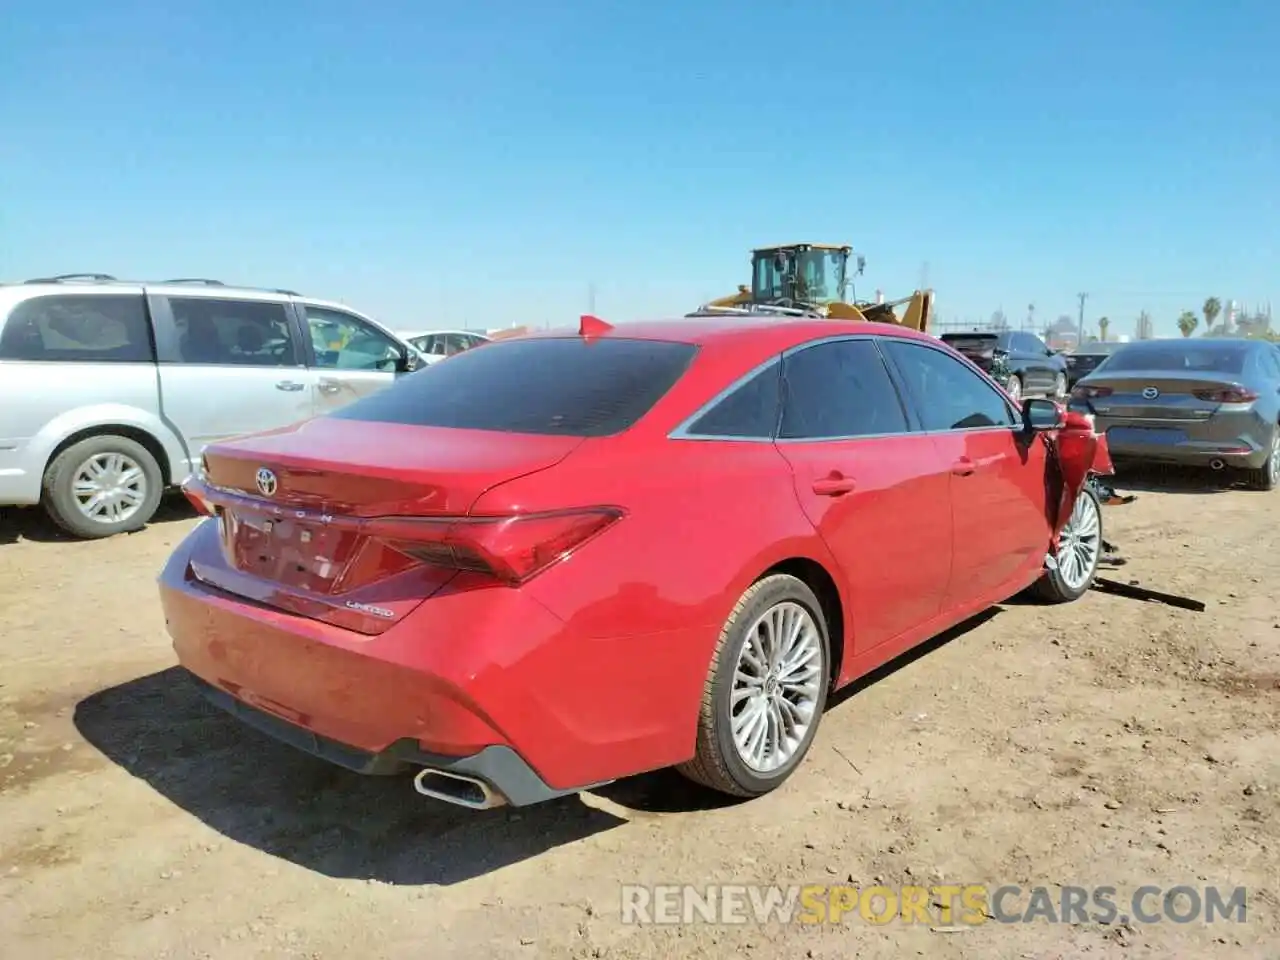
(571, 557)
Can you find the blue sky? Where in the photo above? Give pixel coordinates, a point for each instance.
(484, 163)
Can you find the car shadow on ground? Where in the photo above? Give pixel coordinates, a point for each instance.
(272, 797)
(1159, 478)
(665, 791)
(31, 523)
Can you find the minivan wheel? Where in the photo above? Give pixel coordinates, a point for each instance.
(1079, 550)
(102, 486)
(765, 691)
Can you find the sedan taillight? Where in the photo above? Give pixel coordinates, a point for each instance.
(1232, 394)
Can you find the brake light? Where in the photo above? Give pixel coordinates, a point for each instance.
(191, 489)
(1232, 394)
(512, 548)
(1086, 392)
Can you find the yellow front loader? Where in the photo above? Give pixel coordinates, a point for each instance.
(812, 279)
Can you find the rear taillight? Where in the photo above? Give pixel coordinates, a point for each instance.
(511, 548)
(1232, 394)
(193, 491)
(1086, 392)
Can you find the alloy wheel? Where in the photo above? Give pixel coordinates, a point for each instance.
(776, 687)
(1080, 543)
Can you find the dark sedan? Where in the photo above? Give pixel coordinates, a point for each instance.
(1084, 360)
(1018, 361)
(1200, 402)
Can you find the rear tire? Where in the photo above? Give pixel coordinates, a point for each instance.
(1267, 476)
(1079, 550)
(124, 468)
(760, 713)
(1014, 389)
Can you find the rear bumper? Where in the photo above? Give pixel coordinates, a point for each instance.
(1239, 441)
(503, 770)
(486, 683)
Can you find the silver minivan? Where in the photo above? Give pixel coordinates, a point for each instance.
(110, 390)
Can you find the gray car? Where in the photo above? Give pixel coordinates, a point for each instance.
(1202, 402)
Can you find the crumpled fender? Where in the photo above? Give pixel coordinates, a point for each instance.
(1080, 452)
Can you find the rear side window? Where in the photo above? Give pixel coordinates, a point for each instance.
(102, 328)
(749, 412)
(565, 386)
(249, 333)
(839, 389)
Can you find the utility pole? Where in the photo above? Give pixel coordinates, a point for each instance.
(1080, 336)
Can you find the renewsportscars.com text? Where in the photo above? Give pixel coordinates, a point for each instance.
(941, 905)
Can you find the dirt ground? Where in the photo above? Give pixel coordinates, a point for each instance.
(1109, 742)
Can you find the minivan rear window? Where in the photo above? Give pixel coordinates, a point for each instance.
(567, 386)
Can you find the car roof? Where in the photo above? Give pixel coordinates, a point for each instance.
(770, 331)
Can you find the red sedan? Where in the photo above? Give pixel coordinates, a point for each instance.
(567, 558)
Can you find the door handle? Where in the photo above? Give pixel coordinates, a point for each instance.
(834, 484)
(962, 467)
(292, 386)
(330, 386)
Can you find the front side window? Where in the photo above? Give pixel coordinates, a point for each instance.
(948, 394)
(250, 333)
(839, 389)
(345, 342)
(102, 328)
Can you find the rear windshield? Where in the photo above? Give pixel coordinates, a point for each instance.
(970, 341)
(1211, 357)
(564, 386)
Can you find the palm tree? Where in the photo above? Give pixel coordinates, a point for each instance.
(1103, 324)
(1187, 323)
(1212, 308)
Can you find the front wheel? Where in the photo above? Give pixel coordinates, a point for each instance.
(765, 691)
(1079, 550)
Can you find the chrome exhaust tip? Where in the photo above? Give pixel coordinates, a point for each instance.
(458, 789)
(1216, 463)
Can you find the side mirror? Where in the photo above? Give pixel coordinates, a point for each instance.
(1039, 414)
(406, 362)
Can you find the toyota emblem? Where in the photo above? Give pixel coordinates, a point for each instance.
(267, 482)
(1150, 393)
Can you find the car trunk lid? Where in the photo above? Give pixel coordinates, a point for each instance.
(312, 518)
(1159, 395)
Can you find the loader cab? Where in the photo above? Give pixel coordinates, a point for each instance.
(799, 274)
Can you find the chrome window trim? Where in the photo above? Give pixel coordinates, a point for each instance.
(683, 432)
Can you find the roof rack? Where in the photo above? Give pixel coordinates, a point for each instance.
(64, 277)
(206, 282)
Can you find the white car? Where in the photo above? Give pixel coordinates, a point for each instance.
(110, 390)
(435, 345)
